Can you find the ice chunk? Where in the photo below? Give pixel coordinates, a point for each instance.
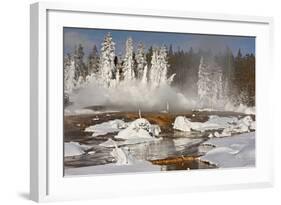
(182, 123)
(74, 149)
(210, 135)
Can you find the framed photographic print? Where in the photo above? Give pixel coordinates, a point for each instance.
(150, 101)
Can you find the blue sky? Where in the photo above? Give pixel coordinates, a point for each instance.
(217, 43)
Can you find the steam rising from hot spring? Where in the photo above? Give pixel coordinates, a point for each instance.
(132, 96)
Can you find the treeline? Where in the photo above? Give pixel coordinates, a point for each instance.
(238, 70)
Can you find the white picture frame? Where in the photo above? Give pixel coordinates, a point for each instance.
(47, 182)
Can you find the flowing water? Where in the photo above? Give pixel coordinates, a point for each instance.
(175, 151)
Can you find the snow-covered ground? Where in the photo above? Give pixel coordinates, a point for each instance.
(234, 151)
(74, 149)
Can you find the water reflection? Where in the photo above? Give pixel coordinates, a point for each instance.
(177, 144)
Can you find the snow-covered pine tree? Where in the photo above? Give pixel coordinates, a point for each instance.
(93, 61)
(69, 74)
(66, 61)
(229, 74)
(154, 74)
(144, 76)
(163, 63)
(119, 69)
(159, 68)
(80, 67)
(107, 68)
(203, 82)
(209, 84)
(128, 65)
(141, 61)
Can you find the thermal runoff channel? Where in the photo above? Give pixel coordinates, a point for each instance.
(160, 102)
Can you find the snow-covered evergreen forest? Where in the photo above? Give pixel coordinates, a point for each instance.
(132, 105)
(205, 78)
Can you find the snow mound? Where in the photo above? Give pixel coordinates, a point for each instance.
(229, 125)
(234, 151)
(140, 128)
(182, 123)
(215, 122)
(106, 127)
(74, 149)
(245, 124)
(138, 131)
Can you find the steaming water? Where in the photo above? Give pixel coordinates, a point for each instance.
(132, 96)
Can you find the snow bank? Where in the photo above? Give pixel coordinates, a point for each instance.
(106, 127)
(234, 151)
(215, 122)
(140, 128)
(229, 125)
(74, 149)
(245, 124)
